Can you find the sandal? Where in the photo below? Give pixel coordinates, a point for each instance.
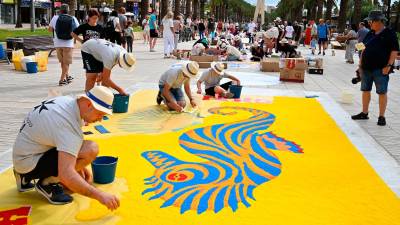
(63, 82)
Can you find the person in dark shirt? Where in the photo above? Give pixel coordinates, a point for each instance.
(89, 30)
(257, 53)
(376, 63)
(211, 27)
(202, 28)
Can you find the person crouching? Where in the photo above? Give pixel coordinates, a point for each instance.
(170, 86)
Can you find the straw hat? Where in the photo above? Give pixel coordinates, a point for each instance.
(284, 41)
(127, 61)
(191, 69)
(218, 67)
(223, 45)
(236, 38)
(101, 97)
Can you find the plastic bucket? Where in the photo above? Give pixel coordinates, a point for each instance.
(32, 67)
(120, 103)
(236, 90)
(104, 168)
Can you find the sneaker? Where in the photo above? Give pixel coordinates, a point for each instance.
(360, 116)
(381, 121)
(23, 184)
(54, 193)
(152, 50)
(323, 53)
(159, 98)
(63, 82)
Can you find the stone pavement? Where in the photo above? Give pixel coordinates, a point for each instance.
(19, 92)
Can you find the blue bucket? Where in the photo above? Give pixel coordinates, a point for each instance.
(104, 168)
(2, 54)
(121, 103)
(236, 90)
(32, 67)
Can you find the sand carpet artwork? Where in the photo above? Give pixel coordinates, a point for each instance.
(279, 161)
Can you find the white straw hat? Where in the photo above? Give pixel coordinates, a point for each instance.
(101, 97)
(218, 67)
(284, 41)
(127, 61)
(191, 69)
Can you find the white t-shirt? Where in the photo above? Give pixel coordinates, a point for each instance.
(231, 50)
(252, 26)
(167, 25)
(58, 43)
(173, 77)
(103, 51)
(55, 123)
(211, 79)
(289, 32)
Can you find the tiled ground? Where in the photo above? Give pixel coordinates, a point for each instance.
(19, 92)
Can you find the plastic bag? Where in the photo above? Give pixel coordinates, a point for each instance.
(42, 58)
(16, 59)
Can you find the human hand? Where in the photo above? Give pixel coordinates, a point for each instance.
(199, 91)
(386, 70)
(178, 108)
(193, 103)
(109, 200)
(122, 92)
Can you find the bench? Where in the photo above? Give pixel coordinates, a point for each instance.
(30, 45)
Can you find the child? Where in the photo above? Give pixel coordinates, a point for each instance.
(129, 36)
(313, 45)
(212, 77)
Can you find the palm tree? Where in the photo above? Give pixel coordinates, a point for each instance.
(72, 7)
(342, 15)
(195, 8)
(202, 8)
(188, 7)
(144, 9)
(320, 9)
(177, 7)
(19, 18)
(357, 11)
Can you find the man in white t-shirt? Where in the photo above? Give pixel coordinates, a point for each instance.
(62, 25)
(289, 31)
(50, 148)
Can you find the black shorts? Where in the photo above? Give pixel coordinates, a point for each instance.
(47, 166)
(153, 33)
(322, 40)
(210, 91)
(90, 64)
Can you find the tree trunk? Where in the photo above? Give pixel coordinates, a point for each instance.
(202, 8)
(177, 7)
(195, 9)
(357, 11)
(164, 8)
(329, 6)
(188, 7)
(313, 12)
(18, 24)
(342, 15)
(320, 5)
(144, 8)
(72, 7)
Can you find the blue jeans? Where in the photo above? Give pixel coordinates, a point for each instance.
(176, 93)
(369, 77)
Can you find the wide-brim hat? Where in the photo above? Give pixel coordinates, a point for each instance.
(218, 67)
(284, 41)
(375, 15)
(101, 98)
(127, 61)
(236, 38)
(191, 69)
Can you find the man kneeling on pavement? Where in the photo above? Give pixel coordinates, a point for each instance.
(212, 78)
(170, 85)
(50, 147)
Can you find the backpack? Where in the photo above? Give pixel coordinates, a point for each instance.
(109, 28)
(64, 26)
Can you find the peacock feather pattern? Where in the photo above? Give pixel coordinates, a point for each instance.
(238, 158)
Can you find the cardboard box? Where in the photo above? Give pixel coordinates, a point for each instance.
(206, 65)
(312, 70)
(270, 65)
(203, 58)
(292, 75)
(293, 63)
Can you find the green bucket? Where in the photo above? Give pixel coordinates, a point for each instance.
(121, 103)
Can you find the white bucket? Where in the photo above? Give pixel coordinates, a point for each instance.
(347, 97)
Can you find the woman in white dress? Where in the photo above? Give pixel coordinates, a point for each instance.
(168, 34)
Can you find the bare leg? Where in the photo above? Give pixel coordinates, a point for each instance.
(366, 98)
(87, 154)
(382, 104)
(219, 90)
(90, 81)
(64, 71)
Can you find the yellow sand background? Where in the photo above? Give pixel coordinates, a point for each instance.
(331, 183)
